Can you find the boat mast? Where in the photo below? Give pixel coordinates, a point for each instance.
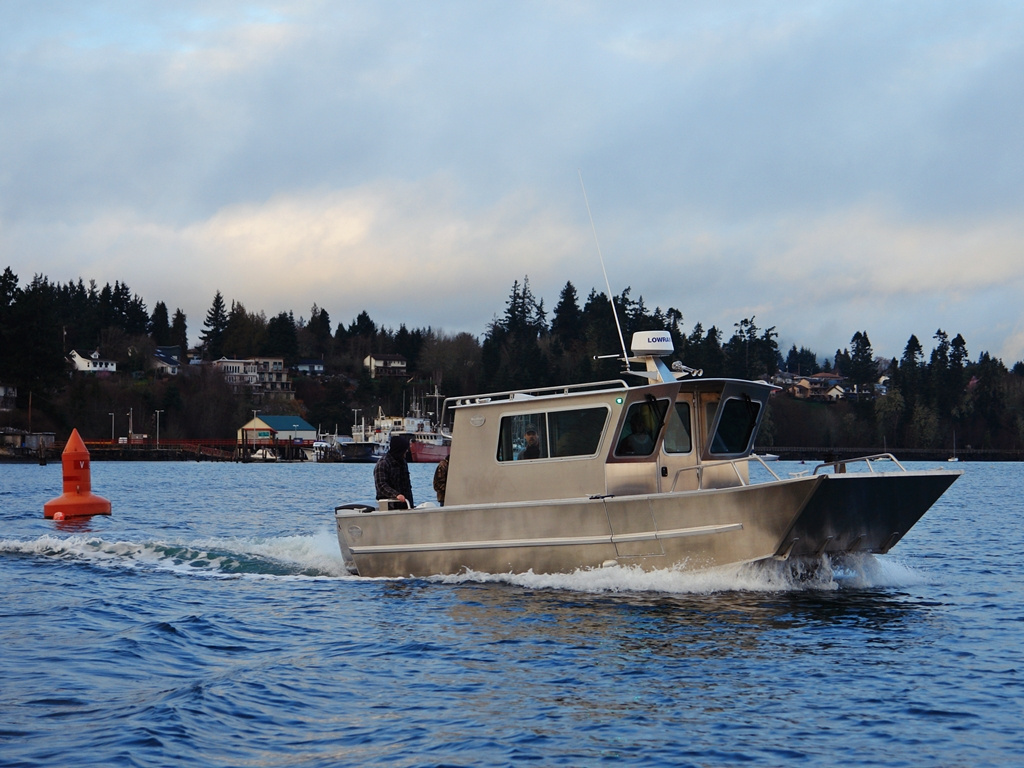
(607, 285)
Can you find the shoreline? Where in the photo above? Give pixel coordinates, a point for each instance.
(805, 454)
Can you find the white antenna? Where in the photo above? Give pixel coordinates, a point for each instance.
(618, 327)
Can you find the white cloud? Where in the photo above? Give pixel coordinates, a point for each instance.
(825, 169)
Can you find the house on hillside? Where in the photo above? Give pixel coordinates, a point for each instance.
(166, 361)
(272, 380)
(260, 378)
(385, 365)
(240, 375)
(820, 387)
(91, 362)
(310, 367)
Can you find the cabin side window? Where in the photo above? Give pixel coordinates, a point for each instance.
(523, 437)
(736, 425)
(577, 432)
(526, 436)
(677, 433)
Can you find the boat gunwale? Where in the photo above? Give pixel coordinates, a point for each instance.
(360, 510)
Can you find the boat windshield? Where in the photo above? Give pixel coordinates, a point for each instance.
(736, 425)
(640, 429)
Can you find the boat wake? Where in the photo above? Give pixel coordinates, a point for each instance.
(316, 556)
(285, 556)
(863, 571)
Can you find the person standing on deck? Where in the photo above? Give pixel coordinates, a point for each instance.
(441, 480)
(391, 474)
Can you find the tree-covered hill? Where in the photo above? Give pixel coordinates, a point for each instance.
(917, 400)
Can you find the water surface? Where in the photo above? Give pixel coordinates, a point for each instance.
(210, 621)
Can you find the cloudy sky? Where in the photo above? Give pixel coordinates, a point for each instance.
(826, 167)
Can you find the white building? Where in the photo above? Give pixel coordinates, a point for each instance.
(91, 362)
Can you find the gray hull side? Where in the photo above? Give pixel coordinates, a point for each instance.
(692, 530)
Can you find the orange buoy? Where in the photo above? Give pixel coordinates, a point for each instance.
(78, 500)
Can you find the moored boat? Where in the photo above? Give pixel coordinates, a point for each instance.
(426, 443)
(656, 476)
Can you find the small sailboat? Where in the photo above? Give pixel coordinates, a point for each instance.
(953, 457)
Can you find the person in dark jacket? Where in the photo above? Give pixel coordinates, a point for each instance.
(391, 474)
(441, 480)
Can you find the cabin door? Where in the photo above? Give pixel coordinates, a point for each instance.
(677, 461)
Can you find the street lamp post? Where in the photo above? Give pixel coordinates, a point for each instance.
(158, 427)
(130, 428)
(111, 428)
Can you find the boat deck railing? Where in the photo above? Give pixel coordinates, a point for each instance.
(838, 467)
(734, 464)
(561, 389)
(514, 394)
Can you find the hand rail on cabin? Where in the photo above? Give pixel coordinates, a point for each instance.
(734, 463)
(510, 395)
(839, 466)
(561, 389)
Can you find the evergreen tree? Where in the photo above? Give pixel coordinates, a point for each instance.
(179, 333)
(408, 344)
(802, 362)
(568, 342)
(511, 352)
(862, 371)
(130, 311)
(244, 334)
(911, 373)
(750, 355)
(957, 380)
(358, 341)
(282, 339)
(567, 320)
(36, 362)
(319, 331)
(602, 336)
(9, 346)
(216, 323)
(106, 316)
(160, 325)
(704, 351)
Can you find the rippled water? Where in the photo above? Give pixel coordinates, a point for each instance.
(209, 621)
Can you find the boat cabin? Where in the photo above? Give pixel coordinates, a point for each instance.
(604, 439)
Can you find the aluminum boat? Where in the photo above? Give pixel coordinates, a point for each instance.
(656, 476)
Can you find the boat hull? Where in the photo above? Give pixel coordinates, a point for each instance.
(359, 452)
(428, 453)
(863, 512)
(692, 530)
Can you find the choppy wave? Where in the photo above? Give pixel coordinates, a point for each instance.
(317, 555)
(857, 572)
